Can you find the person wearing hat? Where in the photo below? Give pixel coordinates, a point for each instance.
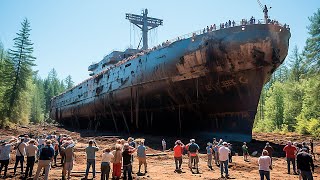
(270, 150)
(20, 153)
(5, 149)
(91, 158)
(209, 154)
(193, 150)
(177, 154)
(290, 155)
(127, 163)
(31, 151)
(305, 164)
(245, 151)
(223, 158)
(46, 156)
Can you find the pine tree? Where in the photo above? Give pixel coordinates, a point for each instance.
(296, 65)
(22, 59)
(69, 82)
(312, 48)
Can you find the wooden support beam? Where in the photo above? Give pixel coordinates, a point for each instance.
(114, 120)
(125, 122)
(180, 127)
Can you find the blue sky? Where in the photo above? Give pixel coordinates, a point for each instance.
(70, 35)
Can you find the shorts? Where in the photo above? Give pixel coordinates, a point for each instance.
(68, 165)
(142, 160)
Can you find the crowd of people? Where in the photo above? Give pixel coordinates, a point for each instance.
(45, 149)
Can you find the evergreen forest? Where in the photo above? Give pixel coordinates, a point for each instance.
(289, 102)
(25, 97)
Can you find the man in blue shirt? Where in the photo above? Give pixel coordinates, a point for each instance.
(91, 158)
(141, 153)
(45, 159)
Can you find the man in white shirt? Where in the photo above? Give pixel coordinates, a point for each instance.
(107, 157)
(31, 151)
(20, 153)
(224, 158)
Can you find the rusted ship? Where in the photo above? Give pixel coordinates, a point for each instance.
(206, 83)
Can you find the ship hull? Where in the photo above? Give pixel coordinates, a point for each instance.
(207, 85)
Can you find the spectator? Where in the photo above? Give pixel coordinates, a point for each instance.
(290, 155)
(223, 158)
(91, 158)
(56, 150)
(305, 164)
(178, 150)
(193, 150)
(311, 148)
(304, 145)
(107, 157)
(127, 164)
(69, 158)
(141, 153)
(270, 150)
(264, 162)
(164, 145)
(117, 161)
(46, 156)
(230, 154)
(216, 154)
(245, 151)
(20, 153)
(209, 154)
(5, 149)
(31, 151)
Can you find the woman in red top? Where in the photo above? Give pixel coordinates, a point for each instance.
(178, 150)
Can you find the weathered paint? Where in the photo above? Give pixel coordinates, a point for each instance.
(209, 83)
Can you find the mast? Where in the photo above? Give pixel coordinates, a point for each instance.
(144, 23)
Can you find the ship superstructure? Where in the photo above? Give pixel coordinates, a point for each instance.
(205, 83)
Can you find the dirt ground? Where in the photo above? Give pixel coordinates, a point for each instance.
(161, 165)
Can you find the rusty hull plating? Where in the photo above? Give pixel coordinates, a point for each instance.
(206, 85)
